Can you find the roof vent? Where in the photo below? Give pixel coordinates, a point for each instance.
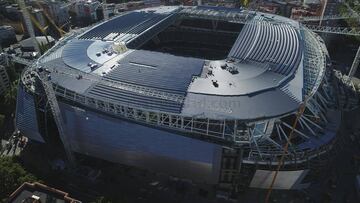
(215, 83)
(233, 70)
(93, 66)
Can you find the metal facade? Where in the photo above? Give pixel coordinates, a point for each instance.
(125, 142)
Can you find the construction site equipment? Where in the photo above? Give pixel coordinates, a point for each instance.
(61, 32)
(354, 65)
(104, 10)
(329, 17)
(245, 3)
(286, 147)
(37, 25)
(334, 30)
(28, 24)
(323, 12)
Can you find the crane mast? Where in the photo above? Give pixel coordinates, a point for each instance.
(354, 65)
(28, 24)
(104, 10)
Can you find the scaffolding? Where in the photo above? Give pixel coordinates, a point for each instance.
(54, 106)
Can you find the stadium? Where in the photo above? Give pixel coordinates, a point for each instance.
(203, 93)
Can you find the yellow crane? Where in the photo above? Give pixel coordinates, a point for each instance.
(42, 30)
(244, 3)
(28, 24)
(38, 26)
(61, 32)
(281, 162)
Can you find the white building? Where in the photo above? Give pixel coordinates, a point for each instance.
(87, 9)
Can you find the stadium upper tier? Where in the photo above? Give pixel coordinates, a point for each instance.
(202, 62)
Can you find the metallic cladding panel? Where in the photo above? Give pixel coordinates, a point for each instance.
(267, 104)
(72, 83)
(26, 120)
(285, 180)
(128, 143)
(165, 72)
(157, 70)
(264, 42)
(131, 23)
(75, 55)
(137, 100)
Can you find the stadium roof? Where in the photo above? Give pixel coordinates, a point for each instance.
(262, 76)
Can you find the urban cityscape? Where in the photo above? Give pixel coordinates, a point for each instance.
(187, 101)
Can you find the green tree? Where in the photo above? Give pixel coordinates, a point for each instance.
(351, 22)
(2, 118)
(12, 175)
(13, 75)
(44, 46)
(10, 94)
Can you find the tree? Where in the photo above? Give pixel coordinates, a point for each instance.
(2, 118)
(12, 175)
(11, 71)
(10, 94)
(44, 46)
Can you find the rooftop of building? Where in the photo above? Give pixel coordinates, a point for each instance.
(6, 27)
(243, 61)
(37, 193)
(41, 40)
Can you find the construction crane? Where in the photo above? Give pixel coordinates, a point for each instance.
(328, 17)
(244, 3)
(354, 65)
(61, 32)
(286, 147)
(350, 14)
(334, 30)
(104, 10)
(38, 26)
(28, 24)
(323, 12)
